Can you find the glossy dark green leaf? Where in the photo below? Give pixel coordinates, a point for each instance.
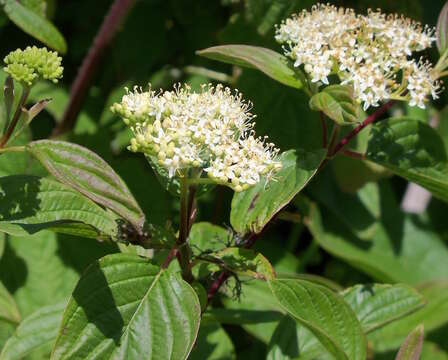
(284, 344)
(413, 150)
(34, 25)
(442, 29)
(8, 307)
(86, 172)
(376, 305)
(252, 209)
(38, 329)
(32, 204)
(338, 103)
(325, 314)
(412, 346)
(271, 63)
(126, 308)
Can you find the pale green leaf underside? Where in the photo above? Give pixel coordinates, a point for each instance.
(271, 63)
(126, 308)
(8, 307)
(325, 314)
(252, 209)
(34, 331)
(86, 172)
(34, 25)
(32, 203)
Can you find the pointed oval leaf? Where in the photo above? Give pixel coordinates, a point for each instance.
(86, 172)
(273, 64)
(252, 209)
(34, 25)
(124, 307)
(412, 346)
(36, 330)
(413, 150)
(376, 305)
(338, 103)
(442, 29)
(32, 204)
(8, 307)
(325, 314)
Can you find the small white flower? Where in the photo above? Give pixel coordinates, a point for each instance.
(211, 130)
(368, 52)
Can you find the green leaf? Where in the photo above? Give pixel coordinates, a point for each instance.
(256, 309)
(434, 315)
(338, 103)
(442, 29)
(325, 314)
(252, 209)
(86, 172)
(271, 63)
(284, 343)
(213, 343)
(412, 346)
(378, 304)
(43, 269)
(395, 254)
(38, 329)
(8, 97)
(34, 25)
(32, 204)
(8, 307)
(124, 307)
(244, 262)
(413, 150)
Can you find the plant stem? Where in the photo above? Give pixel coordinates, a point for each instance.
(369, 120)
(353, 154)
(111, 24)
(15, 119)
(183, 248)
(214, 287)
(324, 130)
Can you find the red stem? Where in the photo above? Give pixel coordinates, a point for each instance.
(214, 287)
(370, 120)
(324, 130)
(109, 27)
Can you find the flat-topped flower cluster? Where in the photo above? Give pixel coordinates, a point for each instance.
(371, 52)
(211, 130)
(27, 66)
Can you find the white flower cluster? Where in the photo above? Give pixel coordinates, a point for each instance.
(211, 130)
(371, 52)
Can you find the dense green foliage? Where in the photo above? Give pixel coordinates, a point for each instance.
(103, 255)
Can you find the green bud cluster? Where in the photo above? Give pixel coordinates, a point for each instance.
(27, 66)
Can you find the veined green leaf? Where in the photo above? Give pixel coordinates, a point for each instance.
(412, 346)
(252, 209)
(34, 25)
(271, 63)
(213, 343)
(32, 204)
(338, 103)
(124, 307)
(376, 305)
(38, 329)
(413, 150)
(86, 172)
(325, 314)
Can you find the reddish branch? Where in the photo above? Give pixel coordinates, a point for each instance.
(370, 120)
(117, 12)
